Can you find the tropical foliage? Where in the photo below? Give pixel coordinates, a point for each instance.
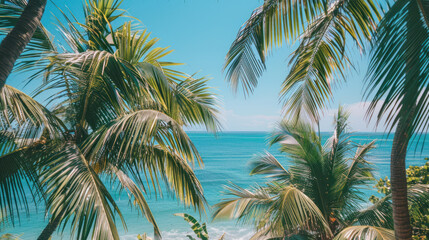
(115, 118)
(416, 175)
(319, 196)
(200, 230)
(398, 83)
(325, 32)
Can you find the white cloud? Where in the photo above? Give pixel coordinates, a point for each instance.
(232, 121)
(358, 119)
(236, 122)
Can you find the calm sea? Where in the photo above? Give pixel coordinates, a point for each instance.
(225, 159)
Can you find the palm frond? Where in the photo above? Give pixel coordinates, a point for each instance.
(397, 76)
(287, 212)
(365, 233)
(19, 175)
(246, 205)
(30, 118)
(376, 215)
(131, 138)
(321, 56)
(76, 193)
(267, 164)
(135, 193)
(268, 26)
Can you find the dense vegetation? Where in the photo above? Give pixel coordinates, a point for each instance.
(117, 112)
(416, 175)
(326, 31)
(319, 196)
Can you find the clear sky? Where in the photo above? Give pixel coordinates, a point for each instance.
(200, 32)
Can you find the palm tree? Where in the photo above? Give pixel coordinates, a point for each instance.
(116, 118)
(19, 31)
(319, 196)
(398, 81)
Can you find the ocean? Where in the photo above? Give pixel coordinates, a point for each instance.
(226, 158)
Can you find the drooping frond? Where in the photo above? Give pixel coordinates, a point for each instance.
(136, 196)
(267, 164)
(398, 76)
(321, 56)
(156, 144)
(245, 205)
(268, 26)
(287, 212)
(196, 104)
(365, 233)
(77, 194)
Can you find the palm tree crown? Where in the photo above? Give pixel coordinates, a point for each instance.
(318, 196)
(117, 114)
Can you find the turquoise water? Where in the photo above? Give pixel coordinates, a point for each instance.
(225, 157)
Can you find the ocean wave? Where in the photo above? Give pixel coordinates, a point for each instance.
(231, 233)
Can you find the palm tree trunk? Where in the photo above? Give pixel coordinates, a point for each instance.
(14, 43)
(51, 227)
(399, 182)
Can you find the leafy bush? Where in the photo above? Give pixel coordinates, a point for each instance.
(419, 213)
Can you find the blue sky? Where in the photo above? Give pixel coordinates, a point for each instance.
(200, 32)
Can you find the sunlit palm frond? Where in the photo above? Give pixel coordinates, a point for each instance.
(398, 77)
(365, 233)
(418, 196)
(295, 211)
(268, 165)
(77, 194)
(30, 118)
(137, 46)
(286, 212)
(19, 174)
(196, 104)
(249, 206)
(140, 128)
(321, 56)
(99, 16)
(9, 236)
(136, 195)
(268, 26)
(95, 80)
(155, 144)
(376, 215)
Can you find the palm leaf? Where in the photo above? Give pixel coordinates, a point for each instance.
(365, 233)
(18, 109)
(267, 27)
(77, 193)
(198, 229)
(139, 199)
(321, 55)
(268, 165)
(397, 76)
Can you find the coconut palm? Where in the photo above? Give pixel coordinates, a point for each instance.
(398, 82)
(116, 118)
(19, 30)
(319, 196)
